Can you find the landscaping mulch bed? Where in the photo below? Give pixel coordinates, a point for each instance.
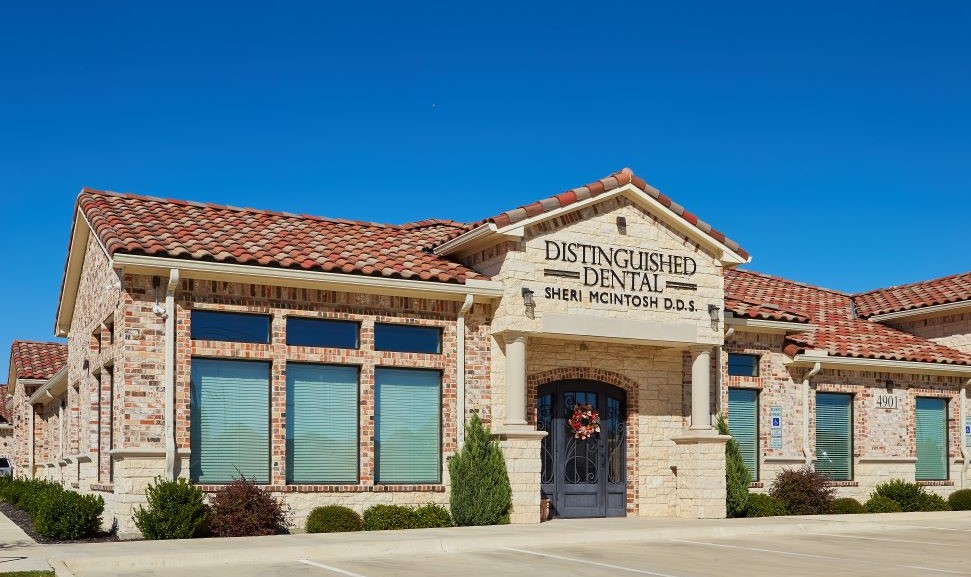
(22, 520)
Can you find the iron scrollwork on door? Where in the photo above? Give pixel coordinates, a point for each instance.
(581, 455)
(544, 422)
(616, 438)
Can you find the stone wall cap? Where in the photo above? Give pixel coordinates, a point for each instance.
(885, 459)
(697, 438)
(784, 459)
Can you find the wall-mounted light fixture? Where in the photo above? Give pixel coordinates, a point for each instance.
(889, 385)
(157, 308)
(713, 311)
(622, 224)
(528, 298)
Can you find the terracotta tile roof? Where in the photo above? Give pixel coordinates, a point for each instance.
(838, 330)
(132, 224)
(765, 311)
(939, 291)
(612, 182)
(4, 411)
(33, 360)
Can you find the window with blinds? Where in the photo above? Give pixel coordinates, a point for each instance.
(743, 423)
(931, 439)
(322, 423)
(407, 416)
(834, 435)
(230, 421)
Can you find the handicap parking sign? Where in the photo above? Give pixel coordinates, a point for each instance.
(777, 422)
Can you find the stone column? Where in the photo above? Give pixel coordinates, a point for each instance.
(699, 460)
(515, 380)
(520, 441)
(701, 390)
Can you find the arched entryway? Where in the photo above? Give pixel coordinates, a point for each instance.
(583, 477)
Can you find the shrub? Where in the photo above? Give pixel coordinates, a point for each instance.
(960, 500)
(432, 515)
(35, 494)
(847, 506)
(333, 519)
(737, 475)
(932, 502)
(242, 509)
(803, 491)
(176, 510)
(67, 515)
(481, 494)
(881, 504)
(762, 505)
(385, 517)
(907, 495)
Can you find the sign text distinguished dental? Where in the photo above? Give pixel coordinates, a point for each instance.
(633, 276)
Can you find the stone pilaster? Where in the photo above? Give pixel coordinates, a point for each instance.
(700, 473)
(521, 451)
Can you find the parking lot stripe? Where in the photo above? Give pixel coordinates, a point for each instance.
(881, 539)
(330, 568)
(827, 557)
(935, 528)
(588, 562)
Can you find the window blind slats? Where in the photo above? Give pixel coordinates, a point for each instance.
(322, 424)
(229, 430)
(743, 425)
(834, 436)
(407, 426)
(931, 439)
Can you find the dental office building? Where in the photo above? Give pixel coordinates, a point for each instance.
(334, 361)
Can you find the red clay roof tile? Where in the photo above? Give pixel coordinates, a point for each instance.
(939, 291)
(34, 360)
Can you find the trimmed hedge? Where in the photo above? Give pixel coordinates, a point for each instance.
(176, 510)
(762, 505)
(333, 519)
(932, 502)
(432, 515)
(908, 495)
(389, 517)
(960, 500)
(881, 504)
(848, 506)
(55, 512)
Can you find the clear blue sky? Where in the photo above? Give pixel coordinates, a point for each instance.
(831, 139)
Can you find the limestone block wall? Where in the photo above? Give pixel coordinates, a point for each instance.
(523, 465)
(953, 330)
(700, 467)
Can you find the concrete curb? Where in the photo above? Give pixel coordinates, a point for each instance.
(335, 547)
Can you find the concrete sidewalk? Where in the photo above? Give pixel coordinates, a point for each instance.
(200, 553)
(18, 552)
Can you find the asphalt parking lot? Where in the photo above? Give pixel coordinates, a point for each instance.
(913, 548)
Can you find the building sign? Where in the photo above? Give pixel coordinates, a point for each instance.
(775, 427)
(886, 401)
(627, 277)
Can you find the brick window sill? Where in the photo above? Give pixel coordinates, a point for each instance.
(842, 484)
(936, 483)
(103, 487)
(339, 488)
(756, 485)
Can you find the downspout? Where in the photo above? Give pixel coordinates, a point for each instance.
(30, 447)
(718, 374)
(964, 446)
(460, 372)
(169, 316)
(805, 412)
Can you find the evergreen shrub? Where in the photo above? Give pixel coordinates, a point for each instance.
(737, 475)
(960, 500)
(762, 505)
(881, 504)
(334, 519)
(176, 510)
(481, 494)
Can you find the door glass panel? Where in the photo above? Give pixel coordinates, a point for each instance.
(581, 455)
(544, 422)
(614, 423)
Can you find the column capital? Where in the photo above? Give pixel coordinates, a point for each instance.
(514, 337)
(698, 349)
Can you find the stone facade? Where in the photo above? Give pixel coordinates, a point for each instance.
(952, 330)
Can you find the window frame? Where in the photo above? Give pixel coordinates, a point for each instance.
(227, 314)
(357, 433)
(851, 468)
(946, 441)
(324, 320)
(441, 427)
(756, 369)
(438, 330)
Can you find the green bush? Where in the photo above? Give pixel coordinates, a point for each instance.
(35, 494)
(737, 475)
(762, 505)
(803, 491)
(432, 515)
(243, 509)
(847, 506)
(907, 495)
(932, 502)
(67, 515)
(176, 510)
(385, 517)
(881, 504)
(481, 494)
(960, 500)
(333, 519)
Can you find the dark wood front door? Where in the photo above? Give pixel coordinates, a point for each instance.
(583, 477)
